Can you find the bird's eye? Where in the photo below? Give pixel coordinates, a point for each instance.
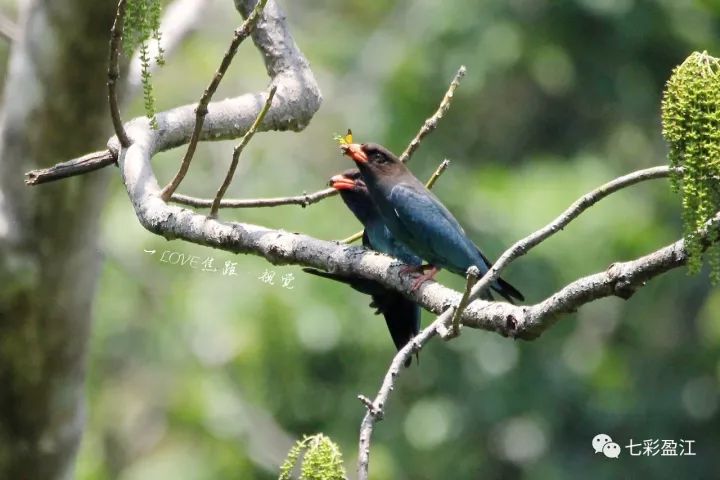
(379, 158)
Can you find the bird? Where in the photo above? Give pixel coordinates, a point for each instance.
(402, 316)
(418, 219)
(376, 235)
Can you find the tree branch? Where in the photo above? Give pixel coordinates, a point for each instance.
(303, 200)
(472, 276)
(86, 163)
(229, 119)
(436, 174)
(521, 247)
(202, 107)
(113, 73)
(432, 122)
(238, 150)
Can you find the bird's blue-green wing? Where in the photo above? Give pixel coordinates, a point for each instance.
(437, 235)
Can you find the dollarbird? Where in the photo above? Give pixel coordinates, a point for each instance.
(401, 315)
(417, 218)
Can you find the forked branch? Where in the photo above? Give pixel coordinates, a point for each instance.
(201, 111)
(238, 150)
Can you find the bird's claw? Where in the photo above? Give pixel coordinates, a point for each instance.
(414, 269)
(425, 276)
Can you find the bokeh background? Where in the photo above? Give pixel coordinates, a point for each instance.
(200, 375)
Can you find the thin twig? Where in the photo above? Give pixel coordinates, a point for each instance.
(432, 122)
(303, 200)
(354, 237)
(436, 174)
(472, 276)
(86, 163)
(202, 109)
(439, 325)
(114, 73)
(521, 247)
(238, 150)
(376, 408)
(431, 181)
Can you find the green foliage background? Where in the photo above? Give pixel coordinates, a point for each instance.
(196, 375)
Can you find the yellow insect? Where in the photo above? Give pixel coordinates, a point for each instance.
(346, 139)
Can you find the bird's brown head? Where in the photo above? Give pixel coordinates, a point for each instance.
(354, 193)
(371, 157)
(349, 180)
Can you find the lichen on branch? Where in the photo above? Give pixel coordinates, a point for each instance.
(691, 126)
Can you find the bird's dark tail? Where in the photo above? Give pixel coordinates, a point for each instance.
(507, 291)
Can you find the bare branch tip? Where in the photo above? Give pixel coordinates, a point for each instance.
(375, 411)
(436, 174)
(431, 123)
(354, 237)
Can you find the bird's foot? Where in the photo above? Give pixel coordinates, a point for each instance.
(414, 269)
(432, 270)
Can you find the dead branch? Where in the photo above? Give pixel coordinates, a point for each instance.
(77, 166)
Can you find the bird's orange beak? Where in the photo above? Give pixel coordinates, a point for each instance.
(338, 182)
(354, 151)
